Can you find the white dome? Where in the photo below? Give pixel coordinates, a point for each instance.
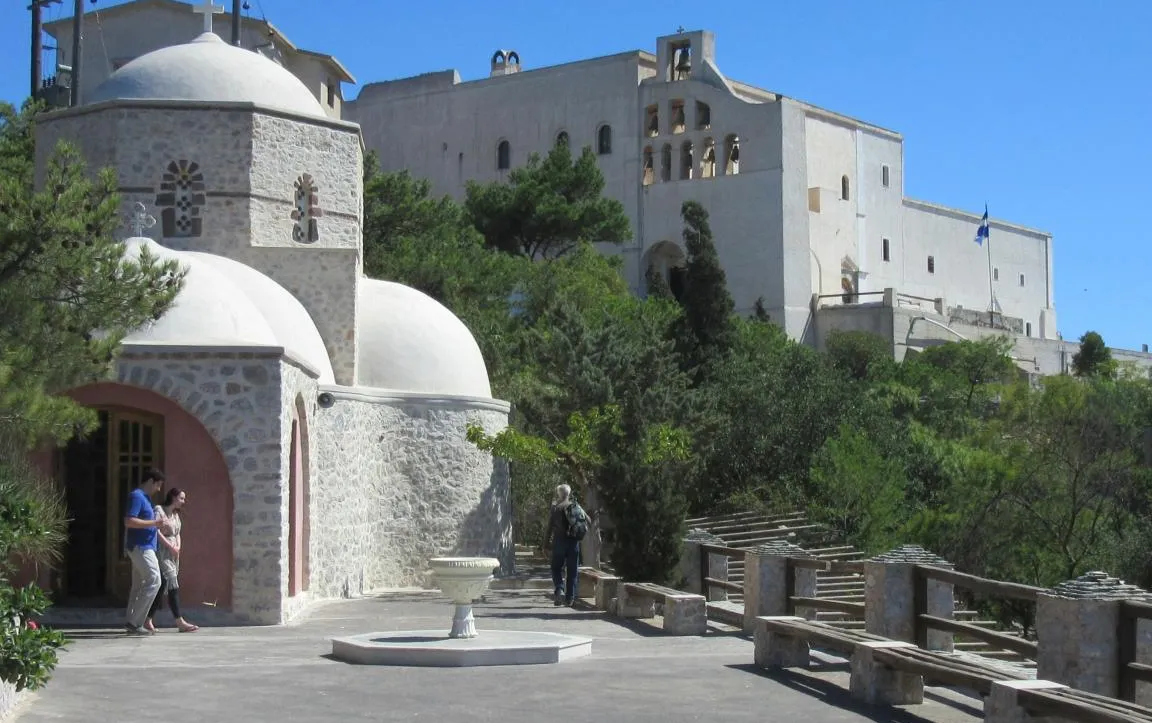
(208, 69)
(225, 303)
(410, 342)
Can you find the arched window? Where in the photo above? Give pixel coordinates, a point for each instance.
(686, 161)
(887, 251)
(732, 155)
(504, 156)
(931, 265)
(679, 125)
(844, 191)
(604, 140)
(562, 138)
(652, 120)
(666, 163)
(708, 159)
(649, 172)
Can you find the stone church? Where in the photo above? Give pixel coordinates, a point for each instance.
(315, 417)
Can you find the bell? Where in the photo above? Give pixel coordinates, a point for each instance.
(735, 155)
(684, 65)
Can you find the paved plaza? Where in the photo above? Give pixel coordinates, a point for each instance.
(635, 673)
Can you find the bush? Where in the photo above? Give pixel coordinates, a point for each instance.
(32, 527)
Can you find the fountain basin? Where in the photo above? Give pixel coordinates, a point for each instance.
(463, 579)
(433, 648)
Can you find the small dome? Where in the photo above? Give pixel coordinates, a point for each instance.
(410, 342)
(225, 303)
(208, 69)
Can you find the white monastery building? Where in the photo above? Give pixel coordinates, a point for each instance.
(316, 418)
(807, 205)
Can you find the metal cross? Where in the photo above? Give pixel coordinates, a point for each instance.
(680, 30)
(207, 8)
(141, 220)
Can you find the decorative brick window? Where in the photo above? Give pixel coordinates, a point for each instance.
(307, 210)
(181, 199)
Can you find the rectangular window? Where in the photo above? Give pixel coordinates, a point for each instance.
(331, 93)
(887, 255)
(931, 265)
(1028, 328)
(996, 274)
(884, 176)
(1021, 279)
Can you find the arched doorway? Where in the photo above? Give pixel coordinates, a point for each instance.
(668, 260)
(298, 503)
(140, 429)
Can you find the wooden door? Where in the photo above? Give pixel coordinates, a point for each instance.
(135, 444)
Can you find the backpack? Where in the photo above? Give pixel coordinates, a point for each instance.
(577, 521)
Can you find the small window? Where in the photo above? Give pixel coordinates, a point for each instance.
(884, 179)
(652, 120)
(931, 265)
(666, 163)
(686, 161)
(679, 124)
(604, 140)
(844, 190)
(703, 116)
(886, 251)
(996, 274)
(649, 173)
(1027, 328)
(562, 138)
(332, 93)
(1021, 279)
(732, 155)
(504, 156)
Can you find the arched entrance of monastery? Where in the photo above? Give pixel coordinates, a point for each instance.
(140, 429)
(668, 260)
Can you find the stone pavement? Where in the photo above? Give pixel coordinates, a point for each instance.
(635, 673)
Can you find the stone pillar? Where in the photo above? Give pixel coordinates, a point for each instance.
(1076, 626)
(777, 650)
(1002, 706)
(876, 684)
(690, 564)
(766, 581)
(890, 596)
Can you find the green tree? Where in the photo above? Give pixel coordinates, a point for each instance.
(705, 333)
(548, 207)
(1094, 357)
(68, 296)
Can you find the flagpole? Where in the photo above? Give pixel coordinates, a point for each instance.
(991, 288)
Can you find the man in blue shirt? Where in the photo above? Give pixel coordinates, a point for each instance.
(141, 522)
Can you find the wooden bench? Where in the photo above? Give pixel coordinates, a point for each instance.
(684, 613)
(604, 587)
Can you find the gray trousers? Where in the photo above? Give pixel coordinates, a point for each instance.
(145, 584)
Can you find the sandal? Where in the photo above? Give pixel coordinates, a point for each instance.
(190, 629)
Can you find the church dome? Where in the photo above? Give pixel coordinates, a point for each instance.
(410, 342)
(226, 303)
(208, 69)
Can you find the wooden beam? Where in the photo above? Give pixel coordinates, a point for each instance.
(819, 603)
(981, 585)
(1024, 647)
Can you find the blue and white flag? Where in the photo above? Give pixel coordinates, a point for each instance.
(982, 232)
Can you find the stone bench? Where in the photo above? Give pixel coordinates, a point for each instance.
(684, 613)
(1019, 701)
(784, 641)
(603, 585)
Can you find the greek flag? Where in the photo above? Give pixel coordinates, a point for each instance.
(982, 232)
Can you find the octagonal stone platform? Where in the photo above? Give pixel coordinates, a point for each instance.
(433, 648)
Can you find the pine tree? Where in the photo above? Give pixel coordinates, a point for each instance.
(706, 333)
(67, 294)
(656, 285)
(1094, 358)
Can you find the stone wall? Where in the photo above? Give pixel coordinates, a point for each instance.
(236, 396)
(397, 483)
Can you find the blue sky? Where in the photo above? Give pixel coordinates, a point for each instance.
(1040, 108)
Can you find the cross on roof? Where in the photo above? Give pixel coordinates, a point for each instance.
(680, 29)
(207, 8)
(140, 221)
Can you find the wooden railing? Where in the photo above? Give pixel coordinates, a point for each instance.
(707, 582)
(814, 603)
(1132, 672)
(980, 586)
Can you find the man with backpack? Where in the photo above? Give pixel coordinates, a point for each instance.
(567, 527)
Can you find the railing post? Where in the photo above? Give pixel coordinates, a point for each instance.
(893, 602)
(770, 581)
(1126, 631)
(694, 566)
(1078, 627)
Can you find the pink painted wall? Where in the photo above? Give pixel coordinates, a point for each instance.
(192, 462)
